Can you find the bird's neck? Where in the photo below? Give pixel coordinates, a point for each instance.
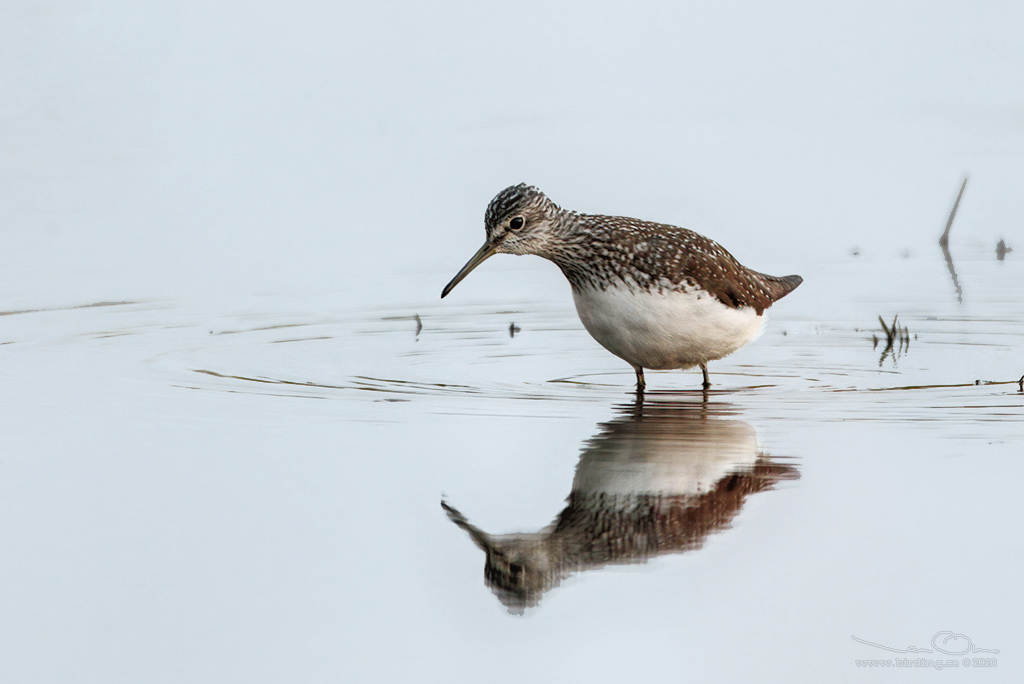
(579, 247)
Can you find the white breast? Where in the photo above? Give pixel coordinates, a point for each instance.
(660, 330)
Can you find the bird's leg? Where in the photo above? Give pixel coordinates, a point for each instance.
(640, 384)
(704, 369)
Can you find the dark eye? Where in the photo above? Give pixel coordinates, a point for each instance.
(516, 223)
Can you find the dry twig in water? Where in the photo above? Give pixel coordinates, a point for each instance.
(893, 334)
(944, 240)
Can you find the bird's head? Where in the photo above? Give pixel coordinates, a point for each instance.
(518, 221)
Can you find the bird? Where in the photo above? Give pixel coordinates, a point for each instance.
(655, 295)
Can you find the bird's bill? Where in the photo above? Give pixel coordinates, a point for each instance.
(479, 537)
(480, 257)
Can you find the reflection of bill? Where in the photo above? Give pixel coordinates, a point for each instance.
(946, 642)
(657, 480)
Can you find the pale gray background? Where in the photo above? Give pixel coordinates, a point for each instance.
(248, 147)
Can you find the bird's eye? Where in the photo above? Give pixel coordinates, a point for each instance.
(516, 223)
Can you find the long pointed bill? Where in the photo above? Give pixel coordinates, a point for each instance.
(480, 257)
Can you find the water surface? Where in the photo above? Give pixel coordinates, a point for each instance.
(268, 475)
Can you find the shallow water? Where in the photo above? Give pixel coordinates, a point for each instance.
(253, 480)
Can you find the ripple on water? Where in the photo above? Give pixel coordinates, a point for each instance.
(959, 365)
(804, 372)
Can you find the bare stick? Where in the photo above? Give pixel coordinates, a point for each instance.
(944, 240)
(885, 329)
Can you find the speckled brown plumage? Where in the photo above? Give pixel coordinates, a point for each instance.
(596, 251)
(661, 256)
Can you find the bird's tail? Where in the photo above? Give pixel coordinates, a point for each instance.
(780, 286)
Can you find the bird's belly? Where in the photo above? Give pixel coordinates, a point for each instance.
(659, 330)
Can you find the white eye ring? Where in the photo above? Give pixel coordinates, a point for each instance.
(516, 222)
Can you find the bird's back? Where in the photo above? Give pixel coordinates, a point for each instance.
(607, 250)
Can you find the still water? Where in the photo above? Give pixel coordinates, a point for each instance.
(249, 487)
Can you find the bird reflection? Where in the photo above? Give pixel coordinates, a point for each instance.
(658, 479)
(952, 272)
(944, 244)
